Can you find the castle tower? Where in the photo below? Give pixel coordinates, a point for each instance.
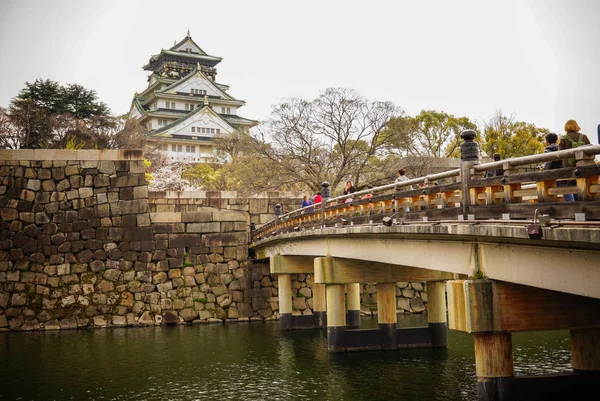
(184, 107)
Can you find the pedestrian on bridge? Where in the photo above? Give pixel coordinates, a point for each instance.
(572, 139)
(497, 172)
(552, 146)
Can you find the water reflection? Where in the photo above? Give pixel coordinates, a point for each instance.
(246, 361)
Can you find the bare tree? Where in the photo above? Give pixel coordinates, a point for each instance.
(9, 135)
(332, 138)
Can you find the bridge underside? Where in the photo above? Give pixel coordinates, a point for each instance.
(529, 285)
(561, 263)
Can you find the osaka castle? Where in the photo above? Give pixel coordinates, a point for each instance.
(184, 107)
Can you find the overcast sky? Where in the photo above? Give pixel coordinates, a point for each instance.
(538, 60)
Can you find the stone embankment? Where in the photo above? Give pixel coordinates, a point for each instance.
(82, 246)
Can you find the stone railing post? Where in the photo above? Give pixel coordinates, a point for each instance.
(325, 194)
(278, 212)
(469, 156)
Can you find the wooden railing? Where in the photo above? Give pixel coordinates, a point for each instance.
(514, 195)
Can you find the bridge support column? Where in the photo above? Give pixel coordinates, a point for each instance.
(585, 349)
(436, 313)
(336, 318)
(319, 305)
(494, 367)
(353, 296)
(285, 302)
(386, 314)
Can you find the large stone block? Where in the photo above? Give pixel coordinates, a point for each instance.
(245, 310)
(129, 207)
(165, 217)
(225, 239)
(188, 314)
(219, 290)
(205, 215)
(230, 215)
(140, 192)
(259, 206)
(168, 228)
(133, 180)
(8, 214)
(184, 240)
(137, 234)
(416, 305)
(209, 227)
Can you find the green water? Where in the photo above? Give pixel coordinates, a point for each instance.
(247, 362)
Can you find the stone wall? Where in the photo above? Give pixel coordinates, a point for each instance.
(83, 244)
(79, 247)
(261, 207)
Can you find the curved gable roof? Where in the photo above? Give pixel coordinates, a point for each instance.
(197, 72)
(204, 108)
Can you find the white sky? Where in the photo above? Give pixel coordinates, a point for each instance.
(538, 60)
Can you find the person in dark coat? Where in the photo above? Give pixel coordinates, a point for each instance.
(495, 173)
(552, 146)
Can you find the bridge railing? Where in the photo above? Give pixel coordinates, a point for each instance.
(464, 194)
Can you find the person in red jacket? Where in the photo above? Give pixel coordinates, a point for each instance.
(318, 198)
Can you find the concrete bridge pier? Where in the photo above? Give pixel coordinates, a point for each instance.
(492, 310)
(336, 272)
(585, 350)
(336, 317)
(320, 305)
(285, 302)
(353, 298)
(494, 367)
(386, 315)
(436, 313)
(284, 267)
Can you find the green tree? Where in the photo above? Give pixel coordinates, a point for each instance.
(207, 176)
(510, 138)
(431, 133)
(46, 114)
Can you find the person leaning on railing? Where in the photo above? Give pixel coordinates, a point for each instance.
(551, 146)
(497, 172)
(572, 139)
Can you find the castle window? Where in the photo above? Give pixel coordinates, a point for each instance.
(162, 122)
(218, 131)
(174, 148)
(193, 129)
(190, 149)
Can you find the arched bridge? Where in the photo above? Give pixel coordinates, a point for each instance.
(490, 269)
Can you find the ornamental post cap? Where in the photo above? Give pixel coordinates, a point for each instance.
(468, 135)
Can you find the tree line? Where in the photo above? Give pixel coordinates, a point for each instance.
(338, 136)
(342, 136)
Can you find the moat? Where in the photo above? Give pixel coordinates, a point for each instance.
(248, 361)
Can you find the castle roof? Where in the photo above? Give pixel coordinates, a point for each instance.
(186, 49)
